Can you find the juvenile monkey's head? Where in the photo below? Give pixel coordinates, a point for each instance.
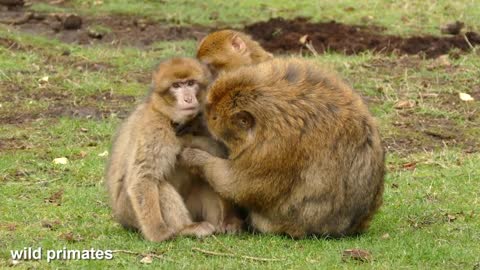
(179, 88)
(226, 50)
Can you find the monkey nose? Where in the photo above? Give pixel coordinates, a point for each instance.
(188, 99)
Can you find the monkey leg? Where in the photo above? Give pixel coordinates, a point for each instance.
(204, 204)
(145, 198)
(177, 216)
(123, 211)
(266, 225)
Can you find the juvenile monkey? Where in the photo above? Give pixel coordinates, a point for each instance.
(227, 50)
(149, 190)
(305, 153)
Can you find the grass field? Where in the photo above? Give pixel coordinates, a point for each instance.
(66, 100)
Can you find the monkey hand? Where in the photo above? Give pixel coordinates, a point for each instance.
(194, 157)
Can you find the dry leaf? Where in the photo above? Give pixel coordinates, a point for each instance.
(450, 217)
(404, 104)
(304, 39)
(43, 80)
(62, 161)
(465, 97)
(84, 130)
(410, 165)
(11, 227)
(55, 197)
(70, 237)
(50, 224)
(83, 154)
(14, 262)
(452, 28)
(441, 61)
(147, 259)
(104, 154)
(356, 254)
(385, 236)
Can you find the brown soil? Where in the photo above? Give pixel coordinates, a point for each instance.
(280, 35)
(276, 35)
(417, 133)
(117, 30)
(64, 104)
(411, 132)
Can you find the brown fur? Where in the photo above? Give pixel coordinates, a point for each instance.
(305, 153)
(217, 50)
(149, 190)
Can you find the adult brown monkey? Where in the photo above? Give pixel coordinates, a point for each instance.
(305, 153)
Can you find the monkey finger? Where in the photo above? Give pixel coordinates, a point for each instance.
(194, 157)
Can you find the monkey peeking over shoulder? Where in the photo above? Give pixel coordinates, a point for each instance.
(306, 156)
(149, 189)
(227, 50)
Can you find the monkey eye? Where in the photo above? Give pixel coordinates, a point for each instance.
(191, 82)
(175, 85)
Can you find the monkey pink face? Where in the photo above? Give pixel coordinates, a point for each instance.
(186, 95)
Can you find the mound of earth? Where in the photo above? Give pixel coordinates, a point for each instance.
(280, 36)
(276, 35)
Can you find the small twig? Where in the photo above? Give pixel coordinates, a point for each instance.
(47, 181)
(139, 253)
(222, 244)
(310, 47)
(214, 253)
(25, 18)
(468, 42)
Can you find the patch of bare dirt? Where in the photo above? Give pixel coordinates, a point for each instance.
(15, 143)
(113, 30)
(276, 35)
(64, 104)
(417, 134)
(280, 35)
(414, 132)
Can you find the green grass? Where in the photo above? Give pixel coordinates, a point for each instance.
(398, 16)
(431, 209)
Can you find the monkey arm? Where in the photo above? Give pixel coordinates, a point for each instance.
(145, 197)
(204, 143)
(153, 162)
(216, 171)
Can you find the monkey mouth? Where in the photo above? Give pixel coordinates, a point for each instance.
(189, 109)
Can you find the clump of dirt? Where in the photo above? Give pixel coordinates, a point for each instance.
(115, 30)
(280, 35)
(64, 104)
(15, 143)
(276, 35)
(416, 133)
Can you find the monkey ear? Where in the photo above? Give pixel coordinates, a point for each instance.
(244, 120)
(239, 45)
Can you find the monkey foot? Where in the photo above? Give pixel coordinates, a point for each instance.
(159, 236)
(231, 226)
(200, 229)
